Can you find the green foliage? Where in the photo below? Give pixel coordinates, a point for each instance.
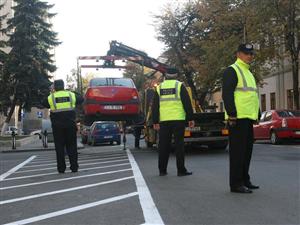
(136, 73)
(30, 59)
(201, 37)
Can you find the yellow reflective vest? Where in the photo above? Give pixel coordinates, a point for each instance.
(170, 107)
(246, 92)
(61, 101)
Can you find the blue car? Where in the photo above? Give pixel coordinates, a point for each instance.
(104, 132)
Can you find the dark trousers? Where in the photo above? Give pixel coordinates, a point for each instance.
(240, 152)
(167, 129)
(137, 136)
(65, 139)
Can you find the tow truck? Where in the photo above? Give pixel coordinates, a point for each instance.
(210, 128)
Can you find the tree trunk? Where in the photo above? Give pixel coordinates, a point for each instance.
(7, 120)
(20, 127)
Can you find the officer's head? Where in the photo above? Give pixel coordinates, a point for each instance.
(245, 52)
(171, 73)
(59, 85)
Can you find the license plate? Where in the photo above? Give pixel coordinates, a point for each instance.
(113, 107)
(107, 136)
(297, 132)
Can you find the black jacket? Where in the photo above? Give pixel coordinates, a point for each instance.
(186, 102)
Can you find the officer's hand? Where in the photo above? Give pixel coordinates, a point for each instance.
(156, 126)
(191, 123)
(231, 121)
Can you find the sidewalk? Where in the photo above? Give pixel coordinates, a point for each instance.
(36, 145)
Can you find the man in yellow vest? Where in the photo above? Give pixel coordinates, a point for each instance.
(240, 96)
(171, 109)
(63, 118)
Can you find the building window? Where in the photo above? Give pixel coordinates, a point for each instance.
(273, 100)
(263, 102)
(290, 99)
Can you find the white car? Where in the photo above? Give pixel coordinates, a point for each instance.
(10, 130)
(37, 132)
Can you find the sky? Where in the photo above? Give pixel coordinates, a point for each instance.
(86, 28)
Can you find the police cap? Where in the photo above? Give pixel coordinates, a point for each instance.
(59, 85)
(171, 72)
(246, 48)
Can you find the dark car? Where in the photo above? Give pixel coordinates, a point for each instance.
(104, 132)
(113, 99)
(277, 125)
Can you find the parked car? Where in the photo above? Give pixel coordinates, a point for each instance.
(111, 99)
(84, 134)
(276, 125)
(103, 132)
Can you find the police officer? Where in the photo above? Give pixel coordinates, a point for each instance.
(171, 108)
(241, 103)
(63, 118)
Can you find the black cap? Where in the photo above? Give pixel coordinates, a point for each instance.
(246, 48)
(171, 72)
(59, 85)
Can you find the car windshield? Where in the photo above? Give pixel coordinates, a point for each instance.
(105, 126)
(289, 113)
(124, 82)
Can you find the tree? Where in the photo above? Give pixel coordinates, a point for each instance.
(30, 60)
(136, 73)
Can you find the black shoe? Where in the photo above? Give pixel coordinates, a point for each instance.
(61, 171)
(251, 186)
(163, 174)
(241, 189)
(186, 173)
(74, 171)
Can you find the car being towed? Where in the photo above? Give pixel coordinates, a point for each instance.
(276, 125)
(111, 99)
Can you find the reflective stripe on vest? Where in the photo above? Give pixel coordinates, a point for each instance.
(246, 92)
(170, 105)
(62, 106)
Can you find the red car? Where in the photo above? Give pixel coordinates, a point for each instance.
(113, 99)
(276, 125)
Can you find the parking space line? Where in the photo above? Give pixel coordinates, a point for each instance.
(83, 169)
(13, 170)
(151, 214)
(73, 209)
(64, 179)
(64, 190)
(84, 164)
(88, 160)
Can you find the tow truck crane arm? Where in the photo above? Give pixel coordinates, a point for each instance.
(120, 50)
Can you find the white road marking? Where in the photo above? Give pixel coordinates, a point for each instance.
(3, 176)
(150, 211)
(79, 158)
(88, 160)
(73, 209)
(64, 179)
(63, 190)
(84, 164)
(44, 174)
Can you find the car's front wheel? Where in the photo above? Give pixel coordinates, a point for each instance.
(274, 138)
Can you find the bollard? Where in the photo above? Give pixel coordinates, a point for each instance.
(45, 139)
(124, 135)
(13, 134)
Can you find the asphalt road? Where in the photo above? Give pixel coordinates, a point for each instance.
(114, 186)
